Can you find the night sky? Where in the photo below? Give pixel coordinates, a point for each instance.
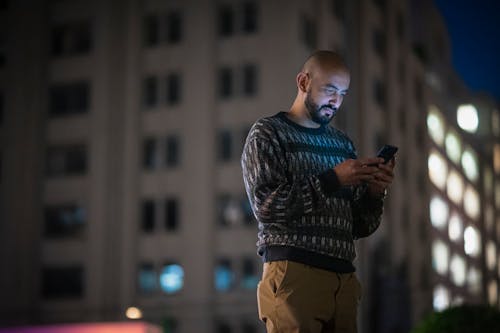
(474, 29)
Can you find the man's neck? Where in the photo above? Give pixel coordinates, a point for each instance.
(300, 116)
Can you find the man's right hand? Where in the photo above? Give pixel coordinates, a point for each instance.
(355, 172)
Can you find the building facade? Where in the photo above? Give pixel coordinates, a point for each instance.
(121, 129)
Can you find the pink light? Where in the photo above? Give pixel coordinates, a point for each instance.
(125, 327)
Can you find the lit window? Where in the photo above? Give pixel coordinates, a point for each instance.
(172, 278)
(441, 298)
(438, 170)
(491, 255)
(474, 280)
(439, 212)
(224, 276)
(469, 164)
(472, 241)
(440, 257)
(455, 187)
(467, 118)
(492, 292)
(455, 228)
(453, 147)
(471, 202)
(435, 125)
(458, 270)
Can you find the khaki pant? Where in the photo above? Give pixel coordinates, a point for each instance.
(296, 298)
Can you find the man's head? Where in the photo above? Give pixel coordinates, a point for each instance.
(322, 84)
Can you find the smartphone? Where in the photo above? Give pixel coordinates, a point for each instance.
(387, 152)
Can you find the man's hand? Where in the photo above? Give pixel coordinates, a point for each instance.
(355, 172)
(382, 179)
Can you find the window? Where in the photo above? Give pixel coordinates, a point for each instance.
(173, 27)
(339, 9)
(309, 32)
(148, 214)
(150, 159)
(225, 21)
(163, 28)
(150, 92)
(224, 146)
(250, 277)
(379, 42)
(71, 39)
(172, 278)
(249, 17)
(224, 275)
(171, 214)
(380, 4)
(4, 4)
(66, 220)
(151, 29)
(249, 80)
(69, 98)
(62, 282)
(225, 82)
(147, 278)
(379, 92)
(1, 108)
(172, 151)
(67, 160)
(222, 327)
(174, 91)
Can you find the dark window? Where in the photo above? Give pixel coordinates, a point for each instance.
(250, 277)
(172, 151)
(380, 4)
(3, 49)
(4, 4)
(339, 9)
(174, 27)
(400, 25)
(150, 155)
(379, 42)
(222, 327)
(68, 160)
(62, 282)
(69, 98)
(249, 80)
(151, 29)
(148, 215)
(150, 91)
(379, 92)
(225, 82)
(64, 221)
(250, 17)
(309, 32)
(246, 209)
(225, 145)
(174, 91)
(1, 108)
(225, 20)
(171, 214)
(71, 39)
(147, 278)
(223, 201)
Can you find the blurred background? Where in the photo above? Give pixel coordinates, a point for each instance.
(121, 129)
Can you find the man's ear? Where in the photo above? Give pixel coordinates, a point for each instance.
(302, 81)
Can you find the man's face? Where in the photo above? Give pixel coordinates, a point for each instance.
(325, 95)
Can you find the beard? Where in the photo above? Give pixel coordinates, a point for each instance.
(315, 111)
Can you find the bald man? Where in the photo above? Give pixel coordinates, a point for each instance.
(312, 197)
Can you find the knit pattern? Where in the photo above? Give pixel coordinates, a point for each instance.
(282, 165)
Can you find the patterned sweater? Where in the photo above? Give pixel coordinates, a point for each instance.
(303, 213)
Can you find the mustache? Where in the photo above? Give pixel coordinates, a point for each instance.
(334, 109)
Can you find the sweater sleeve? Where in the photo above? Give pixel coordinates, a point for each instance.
(274, 195)
(367, 214)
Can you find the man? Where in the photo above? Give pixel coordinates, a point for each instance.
(312, 198)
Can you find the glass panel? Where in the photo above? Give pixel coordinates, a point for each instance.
(438, 169)
(172, 278)
(440, 257)
(472, 241)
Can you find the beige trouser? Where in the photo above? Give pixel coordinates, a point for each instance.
(296, 298)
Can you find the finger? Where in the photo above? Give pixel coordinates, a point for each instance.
(371, 160)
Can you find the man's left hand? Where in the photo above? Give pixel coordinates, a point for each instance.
(382, 179)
